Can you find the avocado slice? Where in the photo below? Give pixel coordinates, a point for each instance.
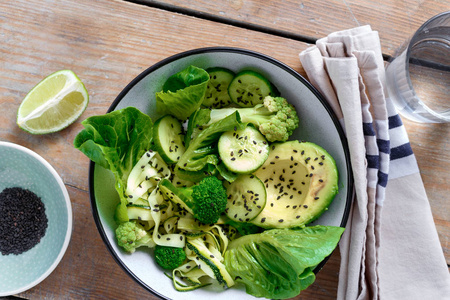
(301, 180)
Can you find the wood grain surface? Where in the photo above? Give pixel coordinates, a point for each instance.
(108, 43)
(310, 19)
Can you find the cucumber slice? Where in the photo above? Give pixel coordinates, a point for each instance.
(243, 151)
(138, 212)
(249, 88)
(217, 90)
(209, 262)
(246, 198)
(138, 202)
(168, 138)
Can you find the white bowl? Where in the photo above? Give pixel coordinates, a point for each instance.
(21, 167)
(318, 124)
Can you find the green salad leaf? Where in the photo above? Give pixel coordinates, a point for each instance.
(201, 157)
(197, 119)
(279, 263)
(183, 93)
(116, 141)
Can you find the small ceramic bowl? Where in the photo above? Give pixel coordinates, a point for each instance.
(21, 167)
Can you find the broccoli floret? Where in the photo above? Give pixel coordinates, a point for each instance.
(206, 200)
(169, 257)
(131, 235)
(276, 118)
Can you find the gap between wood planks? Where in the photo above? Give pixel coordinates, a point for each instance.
(232, 22)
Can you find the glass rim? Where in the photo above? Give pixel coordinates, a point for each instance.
(414, 37)
(443, 116)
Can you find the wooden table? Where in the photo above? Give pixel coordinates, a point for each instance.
(108, 43)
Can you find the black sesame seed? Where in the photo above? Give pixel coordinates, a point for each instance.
(24, 221)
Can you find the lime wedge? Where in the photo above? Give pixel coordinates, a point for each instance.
(53, 104)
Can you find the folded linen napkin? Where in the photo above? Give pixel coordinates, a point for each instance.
(390, 249)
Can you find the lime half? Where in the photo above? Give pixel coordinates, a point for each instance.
(53, 104)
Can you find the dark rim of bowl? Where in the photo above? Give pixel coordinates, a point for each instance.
(233, 50)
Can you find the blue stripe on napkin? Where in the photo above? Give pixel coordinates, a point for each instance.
(383, 146)
(395, 121)
(373, 161)
(382, 179)
(402, 156)
(401, 151)
(368, 129)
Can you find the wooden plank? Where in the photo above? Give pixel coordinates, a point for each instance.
(395, 20)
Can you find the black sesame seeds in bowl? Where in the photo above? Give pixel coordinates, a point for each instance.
(35, 219)
(23, 220)
(318, 124)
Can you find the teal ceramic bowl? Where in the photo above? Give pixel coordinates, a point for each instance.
(21, 167)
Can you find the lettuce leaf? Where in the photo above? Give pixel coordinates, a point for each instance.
(279, 263)
(197, 119)
(201, 157)
(116, 141)
(183, 93)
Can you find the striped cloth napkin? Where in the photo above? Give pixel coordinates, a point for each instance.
(390, 249)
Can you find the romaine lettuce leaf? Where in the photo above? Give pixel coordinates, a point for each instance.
(183, 93)
(278, 263)
(116, 141)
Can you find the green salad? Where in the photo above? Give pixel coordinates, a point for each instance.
(214, 185)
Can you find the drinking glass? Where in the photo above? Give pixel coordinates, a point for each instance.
(418, 78)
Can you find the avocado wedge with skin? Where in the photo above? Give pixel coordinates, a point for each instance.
(301, 180)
